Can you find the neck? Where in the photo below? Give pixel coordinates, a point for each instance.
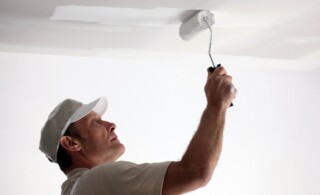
(82, 162)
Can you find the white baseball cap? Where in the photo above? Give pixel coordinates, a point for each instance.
(67, 112)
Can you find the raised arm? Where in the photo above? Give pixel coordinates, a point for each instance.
(201, 157)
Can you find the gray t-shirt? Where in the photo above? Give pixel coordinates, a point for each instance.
(116, 178)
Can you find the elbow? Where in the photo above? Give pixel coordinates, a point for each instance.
(201, 176)
(204, 177)
(182, 177)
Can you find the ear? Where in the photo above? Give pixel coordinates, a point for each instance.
(70, 144)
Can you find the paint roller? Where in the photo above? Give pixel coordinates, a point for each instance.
(202, 20)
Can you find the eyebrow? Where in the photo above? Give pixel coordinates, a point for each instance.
(94, 116)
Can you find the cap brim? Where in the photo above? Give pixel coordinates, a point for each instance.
(99, 106)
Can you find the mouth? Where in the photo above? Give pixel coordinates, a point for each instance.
(113, 138)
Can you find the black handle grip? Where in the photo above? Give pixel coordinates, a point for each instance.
(211, 69)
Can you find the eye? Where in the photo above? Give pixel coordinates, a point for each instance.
(96, 123)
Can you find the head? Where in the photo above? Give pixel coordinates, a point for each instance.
(76, 136)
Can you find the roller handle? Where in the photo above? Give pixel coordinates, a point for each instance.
(211, 69)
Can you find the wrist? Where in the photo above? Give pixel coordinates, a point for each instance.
(213, 109)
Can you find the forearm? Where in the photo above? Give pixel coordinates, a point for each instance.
(204, 149)
(195, 168)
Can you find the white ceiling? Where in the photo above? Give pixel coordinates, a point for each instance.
(287, 29)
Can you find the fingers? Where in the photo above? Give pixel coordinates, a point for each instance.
(219, 70)
(233, 91)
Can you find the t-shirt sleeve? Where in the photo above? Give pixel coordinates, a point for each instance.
(123, 178)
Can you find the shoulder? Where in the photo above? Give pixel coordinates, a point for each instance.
(117, 177)
(122, 168)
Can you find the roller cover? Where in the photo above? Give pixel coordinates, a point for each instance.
(195, 24)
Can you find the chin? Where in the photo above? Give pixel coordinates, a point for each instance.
(122, 150)
(119, 151)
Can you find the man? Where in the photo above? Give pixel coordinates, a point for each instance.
(86, 148)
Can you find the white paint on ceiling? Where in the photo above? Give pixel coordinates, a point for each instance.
(159, 17)
(285, 30)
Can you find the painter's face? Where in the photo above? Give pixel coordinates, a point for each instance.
(100, 141)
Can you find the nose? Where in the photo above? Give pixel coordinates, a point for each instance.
(110, 126)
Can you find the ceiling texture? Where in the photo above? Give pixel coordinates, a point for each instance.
(286, 29)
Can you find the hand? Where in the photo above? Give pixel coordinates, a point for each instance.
(219, 89)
